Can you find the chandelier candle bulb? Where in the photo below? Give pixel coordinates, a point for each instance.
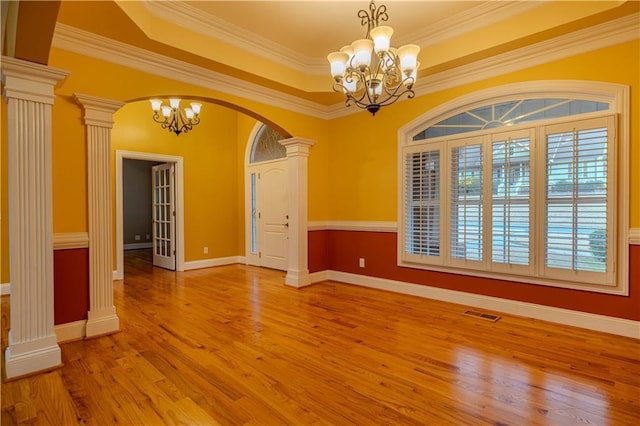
(362, 52)
(195, 106)
(175, 103)
(350, 85)
(338, 62)
(370, 72)
(156, 104)
(408, 58)
(381, 38)
(412, 78)
(166, 111)
(189, 113)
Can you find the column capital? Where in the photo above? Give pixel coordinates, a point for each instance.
(297, 146)
(30, 81)
(98, 111)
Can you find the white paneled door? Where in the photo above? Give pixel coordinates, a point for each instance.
(272, 205)
(164, 216)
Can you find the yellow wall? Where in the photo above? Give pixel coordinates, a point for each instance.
(213, 152)
(363, 150)
(210, 178)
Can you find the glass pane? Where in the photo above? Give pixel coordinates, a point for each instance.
(266, 146)
(466, 202)
(577, 200)
(509, 113)
(423, 203)
(254, 216)
(510, 206)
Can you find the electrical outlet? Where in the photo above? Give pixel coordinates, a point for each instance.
(137, 238)
(206, 250)
(361, 262)
(148, 236)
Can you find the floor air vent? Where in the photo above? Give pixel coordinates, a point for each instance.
(481, 315)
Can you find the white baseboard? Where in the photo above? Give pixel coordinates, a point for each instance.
(317, 277)
(5, 289)
(136, 246)
(209, 263)
(103, 321)
(606, 324)
(41, 355)
(71, 331)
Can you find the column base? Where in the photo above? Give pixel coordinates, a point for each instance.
(297, 279)
(32, 357)
(102, 322)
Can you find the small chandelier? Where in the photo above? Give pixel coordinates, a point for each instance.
(173, 118)
(370, 72)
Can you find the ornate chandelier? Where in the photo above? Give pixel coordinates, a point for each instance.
(370, 72)
(172, 118)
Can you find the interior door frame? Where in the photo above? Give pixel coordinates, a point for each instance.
(118, 274)
(249, 168)
(257, 168)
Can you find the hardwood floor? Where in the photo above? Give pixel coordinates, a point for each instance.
(233, 345)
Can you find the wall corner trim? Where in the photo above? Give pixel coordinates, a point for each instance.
(70, 240)
(5, 289)
(595, 322)
(634, 236)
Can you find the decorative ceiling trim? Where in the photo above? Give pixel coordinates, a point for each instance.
(476, 17)
(184, 15)
(209, 25)
(600, 36)
(102, 48)
(597, 37)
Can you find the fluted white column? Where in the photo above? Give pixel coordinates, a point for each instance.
(298, 158)
(98, 118)
(29, 92)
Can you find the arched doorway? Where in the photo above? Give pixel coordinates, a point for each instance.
(266, 199)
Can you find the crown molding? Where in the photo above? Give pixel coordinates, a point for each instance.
(466, 21)
(597, 37)
(600, 36)
(88, 44)
(209, 25)
(184, 15)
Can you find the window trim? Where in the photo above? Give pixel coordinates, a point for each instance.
(616, 95)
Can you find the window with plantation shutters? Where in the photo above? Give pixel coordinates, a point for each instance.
(422, 215)
(517, 193)
(577, 209)
(466, 209)
(511, 201)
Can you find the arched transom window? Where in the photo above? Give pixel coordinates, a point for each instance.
(522, 187)
(266, 145)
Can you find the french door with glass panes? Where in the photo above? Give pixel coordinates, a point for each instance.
(164, 216)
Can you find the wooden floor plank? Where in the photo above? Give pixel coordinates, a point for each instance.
(232, 345)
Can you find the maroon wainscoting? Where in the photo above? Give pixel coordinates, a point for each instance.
(318, 251)
(379, 250)
(70, 285)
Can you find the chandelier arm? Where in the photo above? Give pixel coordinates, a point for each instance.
(372, 18)
(157, 119)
